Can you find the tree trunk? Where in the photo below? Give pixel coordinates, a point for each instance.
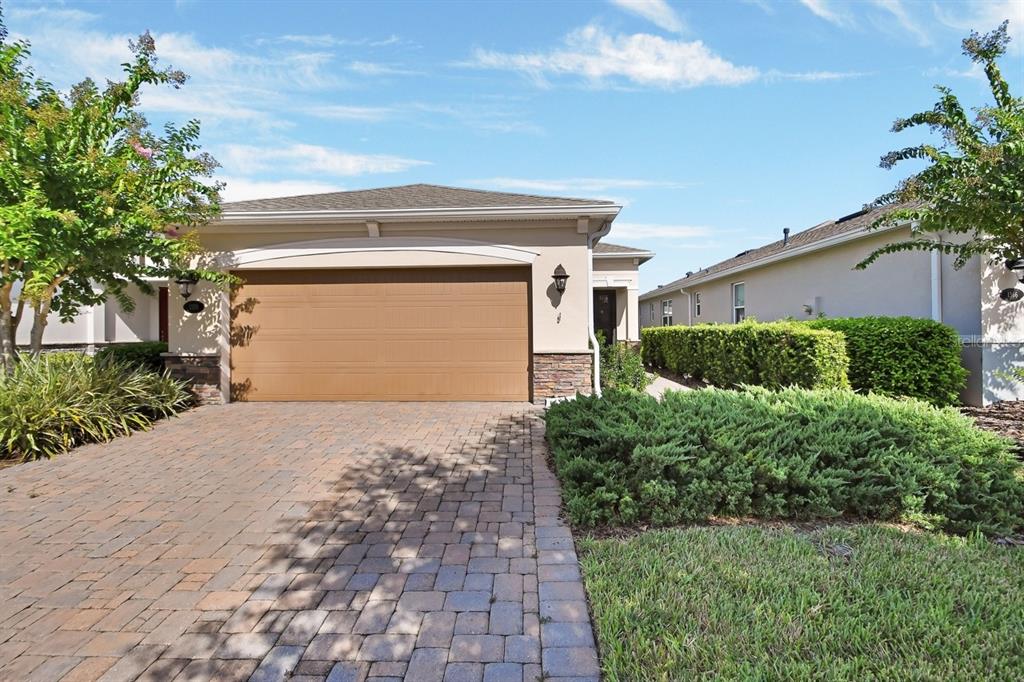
(40, 313)
(8, 331)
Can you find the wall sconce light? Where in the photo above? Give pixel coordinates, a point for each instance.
(186, 283)
(560, 277)
(1012, 294)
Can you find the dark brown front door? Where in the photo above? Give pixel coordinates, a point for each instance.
(164, 304)
(604, 314)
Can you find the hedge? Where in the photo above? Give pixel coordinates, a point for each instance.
(902, 356)
(774, 354)
(790, 454)
(144, 354)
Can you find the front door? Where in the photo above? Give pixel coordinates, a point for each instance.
(604, 314)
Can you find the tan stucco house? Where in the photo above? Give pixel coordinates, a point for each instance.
(419, 292)
(810, 273)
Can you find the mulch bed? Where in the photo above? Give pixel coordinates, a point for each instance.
(1005, 418)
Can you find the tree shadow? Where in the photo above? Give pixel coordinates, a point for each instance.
(401, 519)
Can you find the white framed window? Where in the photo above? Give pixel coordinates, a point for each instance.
(666, 313)
(650, 312)
(696, 304)
(739, 301)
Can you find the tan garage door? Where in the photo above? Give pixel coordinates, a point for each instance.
(386, 334)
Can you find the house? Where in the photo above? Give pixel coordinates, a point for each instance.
(418, 292)
(810, 273)
(107, 323)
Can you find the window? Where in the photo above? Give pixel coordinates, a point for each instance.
(666, 313)
(739, 301)
(696, 304)
(650, 313)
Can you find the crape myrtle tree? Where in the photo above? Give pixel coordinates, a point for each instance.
(91, 199)
(973, 186)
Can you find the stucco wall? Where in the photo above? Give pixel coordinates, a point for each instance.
(897, 284)
(106, 323)
(622, 275)
(1002, 335)
(559, 323)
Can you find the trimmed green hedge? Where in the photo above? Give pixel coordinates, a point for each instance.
(144, 354)
(790, 454)
(902, 356)
(774, 354)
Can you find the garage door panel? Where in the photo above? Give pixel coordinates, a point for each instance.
(444, 334)
(321, 351)
(344, 318)
(411, 318)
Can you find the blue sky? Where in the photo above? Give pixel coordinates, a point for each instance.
(716, 124)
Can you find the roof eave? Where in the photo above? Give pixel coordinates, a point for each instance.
(690, 282)
(359, 215)
(644, 256)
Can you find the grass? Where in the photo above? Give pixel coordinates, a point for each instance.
(777, 603)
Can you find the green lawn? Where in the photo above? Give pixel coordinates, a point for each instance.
(762, 603)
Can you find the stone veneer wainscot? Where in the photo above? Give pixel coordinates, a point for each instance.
(557, 375)
(201, 371)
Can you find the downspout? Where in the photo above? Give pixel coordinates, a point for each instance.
(689, 307)
(936, 284)
(591, 240)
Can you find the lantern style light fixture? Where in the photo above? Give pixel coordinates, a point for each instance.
(561, 277)
(1013, 294)
(186, 283)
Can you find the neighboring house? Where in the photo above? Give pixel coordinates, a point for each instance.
(811, 273)
(107, 323)
(419, 292)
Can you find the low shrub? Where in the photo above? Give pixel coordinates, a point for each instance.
(622, 367)
(144, 354)
(902, 356)
(774, 354)
(53, 403)
(790, 454)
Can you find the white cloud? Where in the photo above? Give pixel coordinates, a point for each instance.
(308, 158)
(224, 86)
(375, 69)
(641, 58)
(575, 184)
(972, 72)
(902, 16)
(64, 14)
(658, 12)
(345, 112)
(491, 118)
(241, 189)
(812, 76)
(984, 16)
(659, 231)
(328, 40)
(824, 10)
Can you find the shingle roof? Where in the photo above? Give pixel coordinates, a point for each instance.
(604, 247)
(855, 222)
(404, 197)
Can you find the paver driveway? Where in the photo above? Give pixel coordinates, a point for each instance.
(321, 540)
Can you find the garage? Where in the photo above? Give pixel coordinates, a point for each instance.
(381, 334)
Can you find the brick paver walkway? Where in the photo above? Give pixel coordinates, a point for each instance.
(339, 541)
